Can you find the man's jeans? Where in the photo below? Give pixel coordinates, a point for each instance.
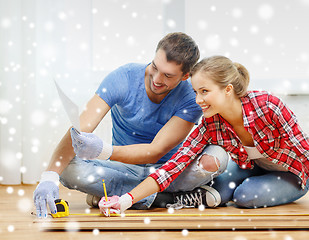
(258, 187)
(86, 176)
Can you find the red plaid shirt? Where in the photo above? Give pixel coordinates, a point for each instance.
(273, 127)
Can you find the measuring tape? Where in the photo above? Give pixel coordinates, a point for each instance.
(62, 208)
(63, 211)
(186, 215)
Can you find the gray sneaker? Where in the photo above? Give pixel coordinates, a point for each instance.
(204, 195)
(92, 200)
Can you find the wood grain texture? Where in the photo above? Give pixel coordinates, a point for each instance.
(283, 222)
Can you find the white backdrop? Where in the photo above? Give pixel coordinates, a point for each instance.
(78, 42)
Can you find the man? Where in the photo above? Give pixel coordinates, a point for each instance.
(152, 108)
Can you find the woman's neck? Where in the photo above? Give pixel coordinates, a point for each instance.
(233, 112)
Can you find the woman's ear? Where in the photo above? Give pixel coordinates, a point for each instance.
(229, 89)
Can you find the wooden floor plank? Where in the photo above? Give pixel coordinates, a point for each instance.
(173, 222)
(17, 223)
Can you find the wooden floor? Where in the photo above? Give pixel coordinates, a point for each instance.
(288, 222)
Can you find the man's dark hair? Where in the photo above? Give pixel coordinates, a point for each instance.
(180, 48)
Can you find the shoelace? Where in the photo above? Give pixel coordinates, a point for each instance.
(187, 201)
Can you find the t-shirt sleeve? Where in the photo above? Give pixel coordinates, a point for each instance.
(113, 88)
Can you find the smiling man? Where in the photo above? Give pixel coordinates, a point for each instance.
(152, 108)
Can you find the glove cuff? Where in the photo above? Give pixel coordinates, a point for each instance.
(50, 176)
(107, 151)
(126, 201)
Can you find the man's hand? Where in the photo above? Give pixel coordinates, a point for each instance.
(89, 146)
(45, 193)
(115, 204)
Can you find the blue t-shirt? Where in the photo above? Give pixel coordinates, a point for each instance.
(135, 118)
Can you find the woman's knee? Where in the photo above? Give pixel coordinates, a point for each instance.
(242, 198)
(250, 194)
(214, 158)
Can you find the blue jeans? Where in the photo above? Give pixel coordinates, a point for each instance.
(258, 187)
(86, 176)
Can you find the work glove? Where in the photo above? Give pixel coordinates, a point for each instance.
(45, 193)
(115, 204)
(90, 146)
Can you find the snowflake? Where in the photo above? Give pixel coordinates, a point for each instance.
(254, 29)
(131, 41)
(10, 190)
(6, 23)
(24, 204)
(269, 40)
(171, 210)
(213, 8)
(5, 106)
(237, 13)
(202, 24)
(232, 185)
(171, 23)
(21, 192)
(62, 16)
(185, 232)
(23, 169)
(152, 170)
(147, 220)
(90, 178)
(38, 117)
(95, 232)
(265, 12)
(72, 226)
(213, 42)
(11, 228)
(201, 207)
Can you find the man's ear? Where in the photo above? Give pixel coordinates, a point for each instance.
(185, 77)
(229, 89)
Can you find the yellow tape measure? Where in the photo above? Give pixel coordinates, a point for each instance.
(63, 211)
(62, 208)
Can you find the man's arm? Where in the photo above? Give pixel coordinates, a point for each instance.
(47, 190)
(93, 114)
(170, 135)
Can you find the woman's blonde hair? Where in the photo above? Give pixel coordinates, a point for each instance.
(224, 72)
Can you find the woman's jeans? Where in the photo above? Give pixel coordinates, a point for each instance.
(258, 187)
(86, 176)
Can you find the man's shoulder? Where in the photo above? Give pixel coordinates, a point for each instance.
(133, 67)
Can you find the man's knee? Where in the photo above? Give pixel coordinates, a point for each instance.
(72, 176)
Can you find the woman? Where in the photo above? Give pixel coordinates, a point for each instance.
(269, 150)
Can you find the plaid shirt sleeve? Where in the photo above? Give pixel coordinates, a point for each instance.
(293, 135)
(288, 126)
(190, 149)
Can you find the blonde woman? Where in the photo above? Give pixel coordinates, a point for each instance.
(269, 150)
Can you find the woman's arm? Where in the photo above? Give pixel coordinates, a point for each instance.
(147, 187)
(162, 177)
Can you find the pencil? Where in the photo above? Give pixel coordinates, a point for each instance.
(105, 194)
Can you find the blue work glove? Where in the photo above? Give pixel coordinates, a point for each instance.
(89, 146)
(45, 193)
